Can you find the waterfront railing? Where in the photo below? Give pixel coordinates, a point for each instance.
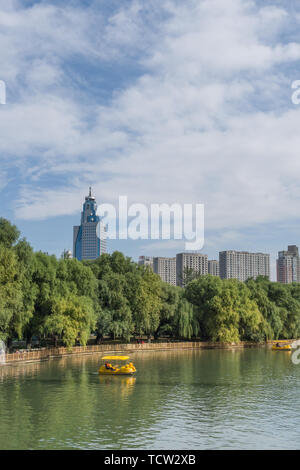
(47, 353)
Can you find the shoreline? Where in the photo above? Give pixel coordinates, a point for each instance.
(46, 354)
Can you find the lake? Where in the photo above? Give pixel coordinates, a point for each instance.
(199, 399)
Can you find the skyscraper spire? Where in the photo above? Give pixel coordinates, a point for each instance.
(89, 240)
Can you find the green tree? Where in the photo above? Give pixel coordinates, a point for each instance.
(217, 307)
(170, 296)
(46, 286)
(21, 318)
(11, 298)
(129, 296)
(71, 318)
(9, 234)
(270, 311)
(189, 274)
(185, 323)
(221, 321)
(289, 308)
(114, 303)
(20, 253)
(143, 292)
(252, 324)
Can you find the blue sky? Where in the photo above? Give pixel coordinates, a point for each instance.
(172, 101)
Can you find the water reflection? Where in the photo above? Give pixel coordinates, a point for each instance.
(122, 386)
(19, 370)
(178, 399)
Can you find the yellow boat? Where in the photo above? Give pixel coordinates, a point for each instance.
(281, 347)
(109, 369)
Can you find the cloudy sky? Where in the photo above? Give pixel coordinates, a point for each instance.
(160, 100)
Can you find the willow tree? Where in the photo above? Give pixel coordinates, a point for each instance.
(221, 321)
(170, 296)
(185, 324)
(115, 317)
(16, 292)
(143, 291)
(22, 317)
(286, 299)
(270, 311)
(72, 318)
(253, 326)
(11, 296)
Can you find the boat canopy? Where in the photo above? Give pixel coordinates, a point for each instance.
(118, 358)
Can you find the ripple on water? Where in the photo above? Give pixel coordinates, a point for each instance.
(179, 400)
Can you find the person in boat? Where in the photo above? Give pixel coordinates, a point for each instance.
(109, 366)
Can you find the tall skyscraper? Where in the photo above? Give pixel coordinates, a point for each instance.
(242, 265)
(193, 262)
(166, 269)
(213, 267)
(89, 241)
(288, 265)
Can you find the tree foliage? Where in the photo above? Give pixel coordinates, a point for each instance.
(72, 318)
(65, 300)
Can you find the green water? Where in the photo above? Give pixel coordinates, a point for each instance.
(212, 399)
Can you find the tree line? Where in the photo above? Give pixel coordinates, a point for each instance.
(65, 300)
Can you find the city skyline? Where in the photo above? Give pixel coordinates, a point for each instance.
(163, 250)
(137, 115)
(240, 265)
(132, 248)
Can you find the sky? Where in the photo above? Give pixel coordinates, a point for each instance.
(161, 101)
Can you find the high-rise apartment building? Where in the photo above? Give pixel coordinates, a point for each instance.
(89, 240)
(288, 265)
(146, 261)
(242, 265)
(166, 269)
(213, 267)
(192, 262)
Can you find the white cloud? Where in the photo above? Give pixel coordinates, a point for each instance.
(209, 120)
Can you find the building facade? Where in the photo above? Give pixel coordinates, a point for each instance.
(166, 269)
(242, 265)
(288, 265)
(146, 261)
(89, 240)
(192, 262)
(213, 267)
